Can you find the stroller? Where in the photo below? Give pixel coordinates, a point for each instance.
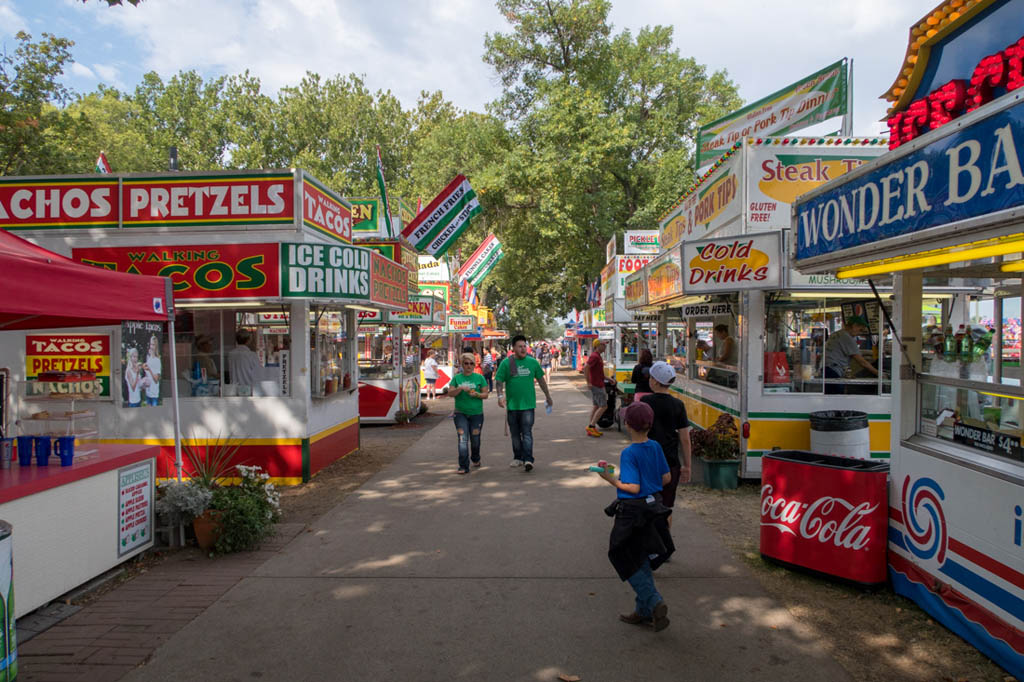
(607, 417)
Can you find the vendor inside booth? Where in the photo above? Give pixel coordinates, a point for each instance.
(267, 287)
(957, 475)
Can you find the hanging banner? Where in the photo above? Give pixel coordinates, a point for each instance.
(641, 241)
(487, 267)
(814, 99)
(475, 264)
(76, 365)
(733, 264)
(664, 277)
(203, 271)
(437, 226)
(707, 208)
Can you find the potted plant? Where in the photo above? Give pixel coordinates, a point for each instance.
(718, 447)
(246, 512)
(210, 466)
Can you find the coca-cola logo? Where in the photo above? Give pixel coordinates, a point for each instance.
(829, 520)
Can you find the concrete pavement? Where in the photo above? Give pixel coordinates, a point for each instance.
(499, 575)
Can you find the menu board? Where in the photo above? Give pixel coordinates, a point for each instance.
(134, 507)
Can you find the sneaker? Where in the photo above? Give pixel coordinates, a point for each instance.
(660, 620)
(462, 472)
(592, 432)
(477, 464)
(516, 463)
(528, 466)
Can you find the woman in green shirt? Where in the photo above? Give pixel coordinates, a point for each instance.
(469, 390)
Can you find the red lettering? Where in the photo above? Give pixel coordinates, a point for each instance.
(915, 119)
(946, 103)
(1015, 65)
(989, 73)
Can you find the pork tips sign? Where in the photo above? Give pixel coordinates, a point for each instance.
(198, 272)
(733, 264)
(75, 364)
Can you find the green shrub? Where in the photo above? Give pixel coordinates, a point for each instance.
(248, 511)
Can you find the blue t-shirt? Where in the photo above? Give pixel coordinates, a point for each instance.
(642, 463)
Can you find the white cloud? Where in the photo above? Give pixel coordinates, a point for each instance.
(82, 71)
(110, 75)
(10, 21)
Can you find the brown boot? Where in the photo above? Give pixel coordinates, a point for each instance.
(634, 619)
(660, 620)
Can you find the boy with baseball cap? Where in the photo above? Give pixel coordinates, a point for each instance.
(640, 541)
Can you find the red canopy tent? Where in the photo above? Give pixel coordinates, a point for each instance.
(40, 289)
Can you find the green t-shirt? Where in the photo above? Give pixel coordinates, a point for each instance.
(464, 402)
(519, 393)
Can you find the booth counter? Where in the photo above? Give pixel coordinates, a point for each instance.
(957, 473)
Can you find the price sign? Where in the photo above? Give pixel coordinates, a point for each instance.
(993, 442)
(134, 507)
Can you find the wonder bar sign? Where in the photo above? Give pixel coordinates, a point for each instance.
(749, 262)
(970, 172)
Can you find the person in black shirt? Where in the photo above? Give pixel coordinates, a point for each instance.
(671, 429)
(642, 372)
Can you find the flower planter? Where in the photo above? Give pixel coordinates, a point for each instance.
(207, 529)
(720, 474)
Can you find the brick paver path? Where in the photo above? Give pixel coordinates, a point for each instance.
(120, 630)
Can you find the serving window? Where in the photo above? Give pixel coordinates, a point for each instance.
(817, 342)
(716, 354)
(331, 369)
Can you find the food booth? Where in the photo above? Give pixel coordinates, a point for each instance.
(627, 334)
(241, 248)
(435, 280)
(389, 359)
(724, 265)
(947, 203)
(71, 523)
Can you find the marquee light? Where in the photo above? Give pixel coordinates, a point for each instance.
(932, 258)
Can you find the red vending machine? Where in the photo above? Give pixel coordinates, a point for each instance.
(825, 513)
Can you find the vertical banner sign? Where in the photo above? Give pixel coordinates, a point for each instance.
(285, 375)
(818, 97)
(134, 507)
(73, 364)
(324, 212)
(476, 262)
(437, 226)
(209, 271)
(142, 363)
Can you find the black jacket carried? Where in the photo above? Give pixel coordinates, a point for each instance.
(640, 530)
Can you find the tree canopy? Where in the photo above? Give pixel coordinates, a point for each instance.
(593, 134)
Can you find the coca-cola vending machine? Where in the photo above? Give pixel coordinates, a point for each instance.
(825, 513)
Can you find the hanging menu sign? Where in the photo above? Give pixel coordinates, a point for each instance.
(134, 507)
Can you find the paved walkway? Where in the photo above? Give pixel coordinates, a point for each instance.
(499, 575)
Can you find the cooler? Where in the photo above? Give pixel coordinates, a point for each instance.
(824, 513)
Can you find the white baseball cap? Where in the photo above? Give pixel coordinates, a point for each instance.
(663, 373)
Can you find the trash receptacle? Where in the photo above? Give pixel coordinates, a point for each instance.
(840, 432)
(8, 631)
(824, 513)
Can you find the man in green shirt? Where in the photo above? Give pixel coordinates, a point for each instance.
(519, 371)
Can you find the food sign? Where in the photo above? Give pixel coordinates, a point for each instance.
(733, 264)
(627, 265)
(706, 208)
(204, 271)
(636, 290)
(134, 507)
(74, 364)
(641, 241)
(324, 212)
(58, 204)
(389, 282)
(364, 216)
(433, 270)
(419, 311)
(209, 201)
(664, 279)
(460, 324)
(325, 271)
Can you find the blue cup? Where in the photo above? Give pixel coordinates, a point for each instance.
(43, 444)
(64, 447)
(24, 450)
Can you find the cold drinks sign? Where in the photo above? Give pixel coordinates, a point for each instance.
(733, 264)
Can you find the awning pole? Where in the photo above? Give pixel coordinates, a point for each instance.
(174, 399)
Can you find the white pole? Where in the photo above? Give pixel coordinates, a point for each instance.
(174, 399)
(847, 128)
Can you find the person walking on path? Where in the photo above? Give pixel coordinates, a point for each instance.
(430, 374)
(469, 390)
(595, 380)
(640, 541)
(544, 355)
(519, 371)
(487, 365)
(670, 430)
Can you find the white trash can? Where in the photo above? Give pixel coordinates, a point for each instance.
(840, 432)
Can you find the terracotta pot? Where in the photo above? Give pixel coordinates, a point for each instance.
(207, 529)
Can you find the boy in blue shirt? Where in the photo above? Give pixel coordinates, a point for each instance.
(640, 531)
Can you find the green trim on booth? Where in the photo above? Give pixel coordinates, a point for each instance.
(305, 460)
(717, 406)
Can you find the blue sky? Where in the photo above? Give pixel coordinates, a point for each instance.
(408, 46)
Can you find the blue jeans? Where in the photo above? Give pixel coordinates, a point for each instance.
(520, 427)
(468, 426)
(152, 402)
(647, 596)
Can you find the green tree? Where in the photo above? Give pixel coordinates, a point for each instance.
(32, 122)
(603, 129)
